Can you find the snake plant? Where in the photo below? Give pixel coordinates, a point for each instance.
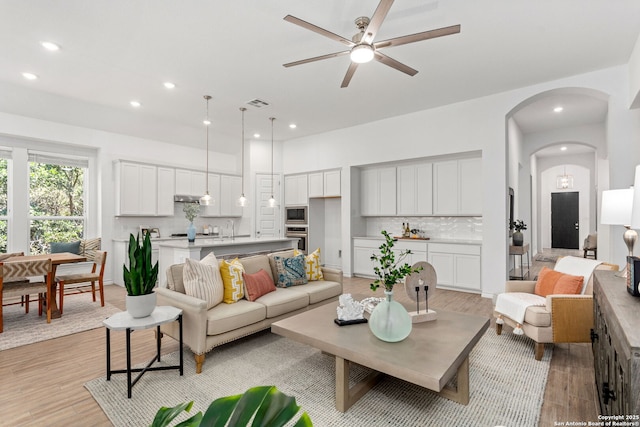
(140, 278)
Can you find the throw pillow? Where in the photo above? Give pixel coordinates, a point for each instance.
(232, 279)
(58, 247)
(312, 265)
(551, 282)
(257, 284)
(568, 284)
(203, 281)
(290, 271)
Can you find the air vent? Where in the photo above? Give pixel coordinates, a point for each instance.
(258, 103)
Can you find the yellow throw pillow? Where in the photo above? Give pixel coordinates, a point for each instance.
(312, 265)
(231, 272)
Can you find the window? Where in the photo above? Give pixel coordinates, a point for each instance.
(4, 199)
(56, 199)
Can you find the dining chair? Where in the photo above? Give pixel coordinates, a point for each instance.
(99, 259)
(6, 256)
(40, 270)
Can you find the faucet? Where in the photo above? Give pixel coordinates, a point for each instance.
(231, 232)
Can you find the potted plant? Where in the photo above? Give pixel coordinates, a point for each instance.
(140, 278)
(191, 211)
(267, 405)
(518, 225)
(390, 321)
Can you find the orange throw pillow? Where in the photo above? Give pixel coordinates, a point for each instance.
(547, 279)
(568, 284)
(257, 284)
(551, 282)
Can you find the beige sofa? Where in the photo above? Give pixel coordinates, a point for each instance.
(205, 329)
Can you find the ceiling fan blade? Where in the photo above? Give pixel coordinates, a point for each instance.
(431, 34)
(347, 77)
(316, 58)
(395, 64)
(316, 29)
(376, 21)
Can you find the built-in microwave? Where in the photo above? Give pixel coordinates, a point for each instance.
(296, 215)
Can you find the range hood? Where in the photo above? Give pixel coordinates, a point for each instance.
(185, 198)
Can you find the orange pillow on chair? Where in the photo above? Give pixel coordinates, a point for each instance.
(551, 282)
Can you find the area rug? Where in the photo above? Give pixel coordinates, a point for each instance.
(506, 386)
(80, 314)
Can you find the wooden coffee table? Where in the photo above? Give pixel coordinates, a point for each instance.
(430, 357)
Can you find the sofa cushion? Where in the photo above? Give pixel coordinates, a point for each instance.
(231, 272)
(283, 301)
(58, 247)
(228, 317)
(202, 280)
(291, 271)
(537, 316)
(312, 265)
(320, 290)
(257, 284)
(286, 254)
(253, 264)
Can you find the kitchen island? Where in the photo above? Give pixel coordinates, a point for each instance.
(176, 251)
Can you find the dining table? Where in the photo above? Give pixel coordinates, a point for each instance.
(56, 260)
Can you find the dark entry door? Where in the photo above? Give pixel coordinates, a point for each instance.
(565, 220)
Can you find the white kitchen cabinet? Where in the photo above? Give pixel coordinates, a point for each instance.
(324, 184)
(137, 189)
(166, 191)
(230, 190)
(295, 190)
(470, 186)
(364, 248)
(415, 189)
(190, 183)
(457, 266)
(378, 192)
(457, 187)
(213, 210)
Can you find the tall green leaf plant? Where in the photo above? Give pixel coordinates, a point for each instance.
(140, 278)
(390, 269)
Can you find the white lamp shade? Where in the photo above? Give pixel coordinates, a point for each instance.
(635, 210)
(616, 207)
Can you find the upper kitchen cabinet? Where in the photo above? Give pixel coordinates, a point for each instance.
(295, 190)
(324, 184)
(230, 190)
(457, 187)
(190, 183)
(378, 191)
(214, 190)
(415, 189)
(166, 190)
(137, 189)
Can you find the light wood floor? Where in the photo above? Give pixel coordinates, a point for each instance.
(42, 384)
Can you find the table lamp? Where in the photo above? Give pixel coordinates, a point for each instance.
(616, 210)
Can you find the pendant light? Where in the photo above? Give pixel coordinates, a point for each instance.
(272, 200)
(242, 200)
(206, 200)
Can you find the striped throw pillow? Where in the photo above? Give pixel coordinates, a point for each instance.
(202, 280)
(232, 279)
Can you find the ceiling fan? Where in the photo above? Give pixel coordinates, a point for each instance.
(362, 47)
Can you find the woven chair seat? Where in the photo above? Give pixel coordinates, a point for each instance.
(17, 289)
(78, 278)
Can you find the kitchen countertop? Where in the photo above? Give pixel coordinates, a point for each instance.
(177, 238)
(182, 243)
(431, 240)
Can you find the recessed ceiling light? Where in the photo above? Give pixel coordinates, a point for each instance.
(169, 85)
(293, 126)
(135, 104)
(558, 109)
(256, 135)
(563, 148)
(29, 76)
(50, 46)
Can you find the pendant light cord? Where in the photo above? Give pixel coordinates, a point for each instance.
(208, 122)
(242, 165)
(272, 119)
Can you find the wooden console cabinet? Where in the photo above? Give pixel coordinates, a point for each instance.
(616, 346)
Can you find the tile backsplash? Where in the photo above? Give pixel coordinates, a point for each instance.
(443, 227)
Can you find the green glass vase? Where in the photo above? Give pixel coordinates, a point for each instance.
(390, 321)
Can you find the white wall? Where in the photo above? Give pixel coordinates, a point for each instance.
(478, 124)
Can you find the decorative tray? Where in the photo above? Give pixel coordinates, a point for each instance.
(349, 322)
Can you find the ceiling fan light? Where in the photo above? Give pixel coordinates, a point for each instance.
(361, 53)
